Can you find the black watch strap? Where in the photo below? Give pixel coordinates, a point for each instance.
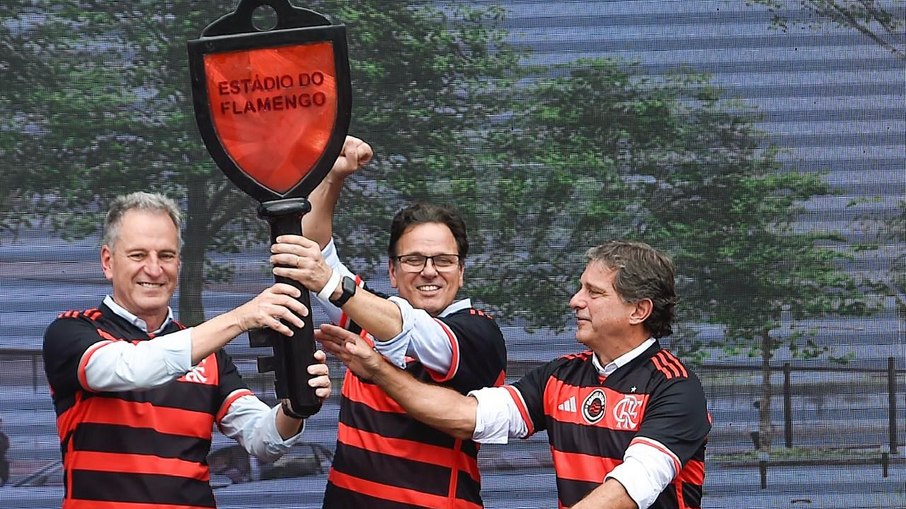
(288, 410)
(348, 287)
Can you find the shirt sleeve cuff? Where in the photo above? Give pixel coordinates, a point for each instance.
(644, 473)
(331, 257)
(176, 350)
(496, 417)
(274, 436)
(396, 348)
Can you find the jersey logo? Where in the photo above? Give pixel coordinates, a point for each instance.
(568, 405)
(626, 412)
(199, 374)
(593, 406)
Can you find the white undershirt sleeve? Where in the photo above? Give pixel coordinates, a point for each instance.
(422, 337)
(497, 417)
(124, 366)
(252, 423)
(645, 472)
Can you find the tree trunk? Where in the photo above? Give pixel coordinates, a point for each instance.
(196, 238)
(191, 283)
(764, 409)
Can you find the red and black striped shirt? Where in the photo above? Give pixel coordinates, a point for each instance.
(592, 420)
(143, 447)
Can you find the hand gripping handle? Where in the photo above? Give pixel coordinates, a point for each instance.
(292, 355)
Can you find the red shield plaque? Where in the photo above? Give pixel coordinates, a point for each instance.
(272, 107)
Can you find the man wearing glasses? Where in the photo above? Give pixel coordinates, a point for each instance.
(384, 458)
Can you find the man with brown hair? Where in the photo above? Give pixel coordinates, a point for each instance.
(626, 420)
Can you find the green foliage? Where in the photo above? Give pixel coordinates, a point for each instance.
(96, 102)
(881, 22)
(543, 163)
(606, 151)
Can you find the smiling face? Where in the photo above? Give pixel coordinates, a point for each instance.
(605, 322)
(143, 264)
(427, 289)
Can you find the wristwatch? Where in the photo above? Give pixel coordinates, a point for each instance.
(349, 287)
(288, 410)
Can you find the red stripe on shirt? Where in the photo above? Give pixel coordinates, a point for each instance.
(229, 401)
(669, 359)
(668, 371)
(660, 448)
(582, 467)
(397, 494)
(83, 363)
(454, 359)
(409, 449)
(523, 410)
(172, 421)
(136, 464)
(693, 473)
(368, 394)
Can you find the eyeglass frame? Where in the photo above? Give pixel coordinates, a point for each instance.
(405, 266)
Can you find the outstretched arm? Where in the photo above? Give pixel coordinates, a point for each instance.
(318, 224)
(123, 365)
(265, 310)
(437, 406)
(611, 494)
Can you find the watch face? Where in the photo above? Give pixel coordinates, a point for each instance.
(349, 288)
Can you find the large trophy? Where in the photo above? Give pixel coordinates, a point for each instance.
(273, 108)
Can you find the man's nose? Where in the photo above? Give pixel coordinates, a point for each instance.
(575, 302)
(429, 271)
(153, 265)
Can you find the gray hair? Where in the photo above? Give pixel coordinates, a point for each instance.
(642, 273)
(151, 202)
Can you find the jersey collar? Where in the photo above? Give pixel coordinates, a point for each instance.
(622, 360)
(134, 320)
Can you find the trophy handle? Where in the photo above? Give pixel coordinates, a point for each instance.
(292, 355)
(240, 20)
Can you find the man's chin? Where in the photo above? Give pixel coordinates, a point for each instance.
(429, 305)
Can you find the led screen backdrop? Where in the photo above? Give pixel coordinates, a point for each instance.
(761, 144)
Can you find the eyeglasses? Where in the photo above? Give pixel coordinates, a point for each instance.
(417, 262)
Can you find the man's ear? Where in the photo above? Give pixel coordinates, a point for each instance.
(391, 271)
(107, 262)
(642, 311)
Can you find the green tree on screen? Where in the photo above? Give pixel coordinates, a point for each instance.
(882, 22)
(542, 170)
(96, 102)
(666, 161)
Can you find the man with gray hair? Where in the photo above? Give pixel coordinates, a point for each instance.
(137, 394)
(626, 420)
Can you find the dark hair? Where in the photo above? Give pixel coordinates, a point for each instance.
(151, 202)
(642, 273)
(421, 213)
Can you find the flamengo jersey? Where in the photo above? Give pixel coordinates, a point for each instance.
(387, 460)
(591, 422)
(147, 448)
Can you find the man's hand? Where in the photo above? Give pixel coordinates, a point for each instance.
(321, 376)
(354, 154)
(318, 224)
(300, 259)
(271, 306)
(353, 350)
